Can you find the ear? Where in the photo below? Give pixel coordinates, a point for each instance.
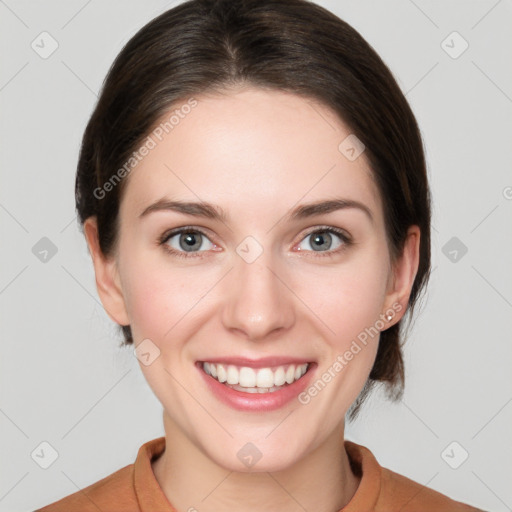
(107, 277)
(403, 274)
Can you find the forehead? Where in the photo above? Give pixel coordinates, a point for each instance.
(250, 150)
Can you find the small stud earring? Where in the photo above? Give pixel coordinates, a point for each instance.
(389, 317)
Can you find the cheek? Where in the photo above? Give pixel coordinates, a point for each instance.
(155, 304)
(149, 292)
(162, 296)
(349, 303)
(347, 299)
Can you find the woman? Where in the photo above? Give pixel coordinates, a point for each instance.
(253, 191)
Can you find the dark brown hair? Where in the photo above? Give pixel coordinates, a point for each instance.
(290, 45)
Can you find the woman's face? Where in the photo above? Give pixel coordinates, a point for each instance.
(264, 288)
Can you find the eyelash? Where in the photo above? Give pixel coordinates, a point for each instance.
(190, 229)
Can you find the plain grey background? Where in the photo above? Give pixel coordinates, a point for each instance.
(65, 382)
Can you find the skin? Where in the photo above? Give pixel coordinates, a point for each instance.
(257, 154)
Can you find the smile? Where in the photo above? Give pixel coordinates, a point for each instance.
(255, 380)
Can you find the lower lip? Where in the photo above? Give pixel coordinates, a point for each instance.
(257, 401)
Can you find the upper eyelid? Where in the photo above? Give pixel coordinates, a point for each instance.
(178, 231)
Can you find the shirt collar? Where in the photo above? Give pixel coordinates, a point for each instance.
(151, 497)
(149, 493)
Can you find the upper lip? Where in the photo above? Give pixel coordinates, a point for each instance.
(263, 362)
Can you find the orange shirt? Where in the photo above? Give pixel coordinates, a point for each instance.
(134, 488)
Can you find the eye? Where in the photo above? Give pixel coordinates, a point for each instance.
(189, 242)
(322, 241)
(185, 242)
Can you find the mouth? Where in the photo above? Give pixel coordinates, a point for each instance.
(251, 380)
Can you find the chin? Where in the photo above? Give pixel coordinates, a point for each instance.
(259, 456)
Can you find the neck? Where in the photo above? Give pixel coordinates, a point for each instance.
(322, 481)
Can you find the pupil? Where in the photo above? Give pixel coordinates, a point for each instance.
(322, 239)
(190, 241)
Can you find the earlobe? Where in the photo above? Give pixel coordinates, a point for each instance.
(403, 274)
(107, 279)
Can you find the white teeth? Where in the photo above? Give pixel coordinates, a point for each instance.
(265, 378)
(233, 375)
(255, 390)
(221, 373)
(290, 374)
(279, 376)
(251, 380)
(246, 378)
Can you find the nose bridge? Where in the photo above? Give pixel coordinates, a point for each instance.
(256, 301)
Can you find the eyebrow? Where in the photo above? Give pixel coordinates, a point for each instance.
(211, 211)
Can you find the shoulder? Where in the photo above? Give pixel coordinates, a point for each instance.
(129, 489)
(383, 490)
(402, 493)
(114, 493)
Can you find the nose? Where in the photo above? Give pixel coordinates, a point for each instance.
(258, 304)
